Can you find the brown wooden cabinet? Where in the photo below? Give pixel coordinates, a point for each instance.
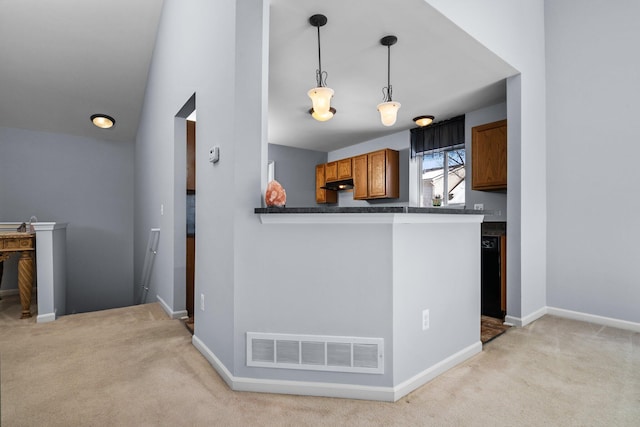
(322, 195)
(345, 170)
(489, 156)
(376, 175)
(360, 177)
(331, 172)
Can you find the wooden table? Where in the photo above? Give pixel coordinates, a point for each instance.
(25, 244)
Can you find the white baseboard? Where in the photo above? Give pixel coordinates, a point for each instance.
(524, 321)
(8, 292)
(172, 314)
(346, 391)
(45, 318)
(427, 375)
(592, 318)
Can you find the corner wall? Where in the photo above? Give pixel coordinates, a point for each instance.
(515, 32)
(592, 161)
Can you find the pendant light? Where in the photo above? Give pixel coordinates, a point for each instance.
(389, 108)
(320, 95)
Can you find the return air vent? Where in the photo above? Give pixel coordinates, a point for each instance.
(315, 352)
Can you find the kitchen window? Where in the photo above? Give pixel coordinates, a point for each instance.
(443, 173)
(439, 149)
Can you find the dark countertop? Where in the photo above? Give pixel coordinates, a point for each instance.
(369, 209)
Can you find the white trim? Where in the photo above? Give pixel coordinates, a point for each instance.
(46, 318)
(48, 226)
(524, 321)
(369, 218)
(592, 318)
(346, 391)
(222, 370)
(173, 314)
(439, 368)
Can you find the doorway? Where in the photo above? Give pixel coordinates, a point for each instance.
(191, 222)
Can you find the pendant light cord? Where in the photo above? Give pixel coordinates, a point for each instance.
(321, 77)
(386, 91)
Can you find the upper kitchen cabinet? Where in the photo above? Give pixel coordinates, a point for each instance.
(331, 171)
(376, 175)
(345, 169)
(489, 156)
(323, 195)
(360, 177)
(339, 170)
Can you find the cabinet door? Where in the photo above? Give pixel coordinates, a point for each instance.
(331, 173)
(360, 174)
(344, 169)
(489, 156)
(377, 173)
(322, 195)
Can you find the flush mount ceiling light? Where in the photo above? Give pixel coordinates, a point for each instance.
(320, 95)
(103, 121)
(388, 109)
(423, 120)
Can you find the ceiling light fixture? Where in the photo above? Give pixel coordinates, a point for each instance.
(103, 121)
(320, 95)
(423, 121)
(388, 109)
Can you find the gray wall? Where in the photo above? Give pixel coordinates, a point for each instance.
(87, 183)
(295, 170)
(226, 192)
(593, 128)
(493, 200)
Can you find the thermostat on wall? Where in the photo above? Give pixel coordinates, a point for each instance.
(214, 154)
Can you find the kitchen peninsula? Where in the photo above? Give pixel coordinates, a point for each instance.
(401, 282)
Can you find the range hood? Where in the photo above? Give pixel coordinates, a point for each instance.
(345, 184)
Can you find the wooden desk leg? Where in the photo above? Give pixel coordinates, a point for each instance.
(25, 282)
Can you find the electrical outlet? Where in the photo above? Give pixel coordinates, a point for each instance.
(478, 206)
(425, 319)
(202, 302)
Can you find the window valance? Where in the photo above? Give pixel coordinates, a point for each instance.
(440, 136)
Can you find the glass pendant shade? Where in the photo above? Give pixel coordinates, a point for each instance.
(321, 100)
(322, 117)
(388, 112)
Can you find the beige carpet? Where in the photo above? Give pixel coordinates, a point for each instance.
(135, 367)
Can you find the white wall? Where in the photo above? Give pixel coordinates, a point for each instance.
(87, 183)
(515, 32)
(495, 201)
(592, 137)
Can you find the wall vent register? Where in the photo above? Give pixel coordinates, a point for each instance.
(315, 352)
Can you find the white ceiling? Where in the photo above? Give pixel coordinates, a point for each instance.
(436, 69)
(63, 60)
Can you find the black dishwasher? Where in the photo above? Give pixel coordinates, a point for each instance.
(490, 282)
